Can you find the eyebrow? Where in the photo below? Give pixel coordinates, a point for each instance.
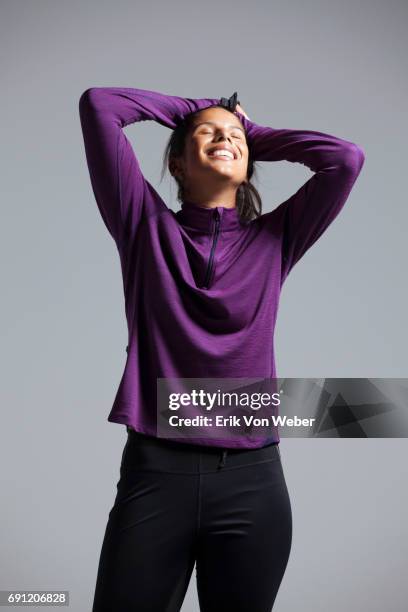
(212, 123)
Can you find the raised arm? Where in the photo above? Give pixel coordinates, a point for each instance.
(308, 212)
(122, 193)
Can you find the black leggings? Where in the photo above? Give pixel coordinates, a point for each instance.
(178, 504)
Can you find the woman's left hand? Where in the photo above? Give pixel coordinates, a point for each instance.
(241, 110)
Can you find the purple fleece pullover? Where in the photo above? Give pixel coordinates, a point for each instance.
(201, 288)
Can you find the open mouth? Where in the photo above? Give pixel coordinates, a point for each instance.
(222, 154)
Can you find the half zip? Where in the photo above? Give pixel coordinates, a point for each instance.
(214, 243)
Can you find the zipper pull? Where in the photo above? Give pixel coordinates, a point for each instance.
(223, 459)
(217, 220)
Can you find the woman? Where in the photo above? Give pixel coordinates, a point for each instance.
(201, 290)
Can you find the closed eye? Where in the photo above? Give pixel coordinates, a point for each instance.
(233, 135)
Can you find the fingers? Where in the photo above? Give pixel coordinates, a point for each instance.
(241, 110)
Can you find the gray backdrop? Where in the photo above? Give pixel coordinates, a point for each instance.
(330, 66)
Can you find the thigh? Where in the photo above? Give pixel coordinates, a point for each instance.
(148, 554)
(245, 538)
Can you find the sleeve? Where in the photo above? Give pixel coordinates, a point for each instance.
(304, 216)
(122, 194)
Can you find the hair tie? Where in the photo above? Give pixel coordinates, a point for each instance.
(230, 103)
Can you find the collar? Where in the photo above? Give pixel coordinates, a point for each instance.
(202, 218)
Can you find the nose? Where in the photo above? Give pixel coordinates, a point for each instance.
(223, 137)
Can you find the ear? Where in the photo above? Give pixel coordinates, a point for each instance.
(174, 167)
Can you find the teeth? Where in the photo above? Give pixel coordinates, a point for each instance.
(221, 153)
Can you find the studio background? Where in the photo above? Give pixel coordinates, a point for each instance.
(333, 67)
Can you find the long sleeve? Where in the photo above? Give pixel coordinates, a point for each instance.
(122, 193)
(308, 212)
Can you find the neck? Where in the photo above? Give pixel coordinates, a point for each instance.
(224, 197)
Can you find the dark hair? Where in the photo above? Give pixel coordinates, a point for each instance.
(248, 200)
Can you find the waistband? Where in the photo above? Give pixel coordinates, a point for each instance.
(157, 454)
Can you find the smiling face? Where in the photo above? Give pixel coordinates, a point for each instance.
(216, 153)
